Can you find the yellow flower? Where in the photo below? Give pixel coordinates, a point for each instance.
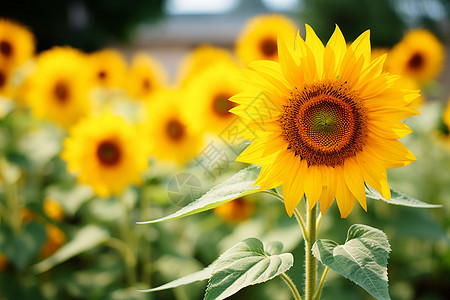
(53, 209)
(6, 87)
(258, 40)
(235, 211)
(146, 76)
(328, 124)
(169, 129)
(16, 43)
(208, 96)
(446, 115)
(200, 59)
(59, 88)
(109, 68)
(419, 55)
(55, 239)
(106, 153)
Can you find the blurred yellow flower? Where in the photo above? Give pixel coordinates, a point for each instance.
(208, 94)
(201, 58)
(109, 68)
(3, 262)
(53, 209)
(418, 55)
(258, 40)
(55, 239)
(146, 76)
(336, 126)
(16, 43)
(59, 88)
(446, 115)
(106, 153)
(169, 129)
(6, 88)
(236, 211)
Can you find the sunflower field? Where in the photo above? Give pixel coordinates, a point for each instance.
(296, 155)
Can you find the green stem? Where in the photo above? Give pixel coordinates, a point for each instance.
(12, 198)
(319, 220)
(319, 288)
(310, 261)
(128, 238)
(291, 286)
(147, 249)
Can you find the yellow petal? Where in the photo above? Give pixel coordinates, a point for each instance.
(317, 48)
(361, 47)
(344, 198)
(313, 185)
(293, 190)
(354, 179)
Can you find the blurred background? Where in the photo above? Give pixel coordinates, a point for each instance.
(99, 252)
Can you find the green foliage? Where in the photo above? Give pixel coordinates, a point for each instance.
(240, 184)
(362, 259)
(398, 198)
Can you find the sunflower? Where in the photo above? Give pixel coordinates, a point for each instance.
(258, 40)
(53, 209)
(200, 59)
(59, 88)
(329, 121)
(6, 87)
(208, 96)
(55, 239)
(146, 76)
(106, 153)
(169, 128)
(16, 43)
(236, 211)
(419, 55)
(108, 68)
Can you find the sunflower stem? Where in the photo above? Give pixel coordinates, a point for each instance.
(291, 286)
(302, 224)
(310, 261)
(128, 238)
(319, 288)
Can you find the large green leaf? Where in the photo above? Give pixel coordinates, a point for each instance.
(362, 259)
(238, 185)
(246, 264)
(399, 198)
(87, 238)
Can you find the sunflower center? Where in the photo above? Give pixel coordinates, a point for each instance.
(324, 123)
(221, 105)
(416, 61)
(175, 130)
(146, 86)
(61, 92)
(268, 47)
(6, 48)
(102, 75)
(108, 153)
(2, 79)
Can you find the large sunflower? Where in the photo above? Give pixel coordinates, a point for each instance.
(59, 88)
(169, 129)
(208, 96)
(108, 68)
(6, 87)
(258, 40)
(16, 43)
(419, 55)
(146, 76)
(106, 153)
(328, 123)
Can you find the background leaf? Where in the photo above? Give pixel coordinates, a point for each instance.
(399, 198)
(362, 259)
(245, 264)
(238, 185)
(87, 238)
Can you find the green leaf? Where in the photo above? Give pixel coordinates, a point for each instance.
(399, 198)
(85, 239)
(362, 259)
(21, 248)
(238, 185)
(245, 264)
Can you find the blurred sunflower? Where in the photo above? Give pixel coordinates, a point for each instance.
(6, 87)
(418, 55)
(55, 239)
(337, 124)
(59, 88)
(208, 96)
(16, 43)
(108, 68)
(446, 116)
(235, 211)
(106, 153)
(146, 76)
(258, 40)
(169, 129)
(201, 58)
(53, 209)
